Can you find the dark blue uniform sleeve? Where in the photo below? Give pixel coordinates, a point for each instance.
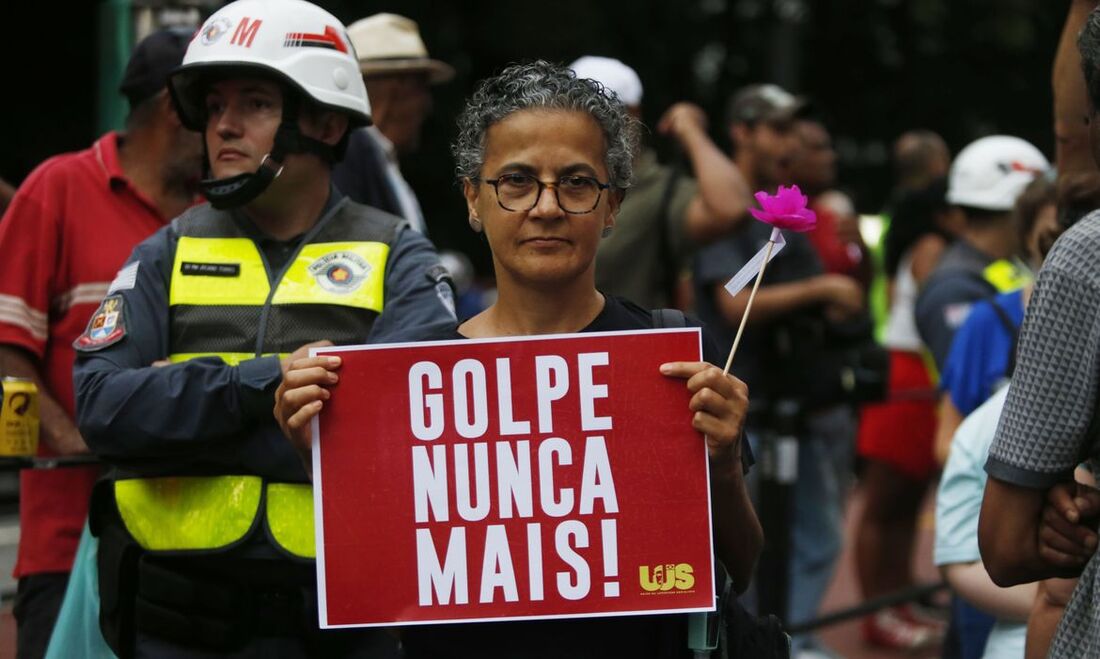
(419, 303)
(127, 408)
(941, 309)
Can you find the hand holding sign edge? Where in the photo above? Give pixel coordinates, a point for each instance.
(720, 403)
(300, 397)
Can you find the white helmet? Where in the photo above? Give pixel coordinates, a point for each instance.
(991, 172)
(293, 40)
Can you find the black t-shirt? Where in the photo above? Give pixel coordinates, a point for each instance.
(716, 263)
(656, 636)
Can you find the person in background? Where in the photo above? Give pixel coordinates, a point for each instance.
(793, 310)
(984, 340)
(1047, 427)
(177, 369)
(668, 213)
(836, 236)
(398, 74)
(65, 235)
(985, 179)
(920, 158)
(981, 355)
(895, 436)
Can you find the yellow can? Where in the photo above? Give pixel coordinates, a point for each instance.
(18, 417)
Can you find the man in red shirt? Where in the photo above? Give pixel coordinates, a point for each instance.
(70, 227)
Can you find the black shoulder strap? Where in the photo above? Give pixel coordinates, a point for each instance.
(666, 318)
(1013, 331)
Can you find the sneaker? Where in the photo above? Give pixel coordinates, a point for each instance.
(922, 615)
(888, 628)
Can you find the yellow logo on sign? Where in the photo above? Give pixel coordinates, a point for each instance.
(669, 576)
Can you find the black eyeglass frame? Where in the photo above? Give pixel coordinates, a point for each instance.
(542, 185)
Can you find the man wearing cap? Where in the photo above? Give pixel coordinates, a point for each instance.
(397, 72)
(206, 524)
(982, 187)
(65, 235)
(782, 346)
(667, 214)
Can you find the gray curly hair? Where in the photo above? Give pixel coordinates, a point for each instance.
(542, 85)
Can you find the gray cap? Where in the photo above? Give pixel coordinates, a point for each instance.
(764, 102)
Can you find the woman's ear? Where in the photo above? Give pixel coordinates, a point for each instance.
(470, 192)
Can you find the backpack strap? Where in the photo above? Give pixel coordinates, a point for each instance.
(668, 318)
(1013, 331)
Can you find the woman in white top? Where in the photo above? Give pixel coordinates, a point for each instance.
(896, 436)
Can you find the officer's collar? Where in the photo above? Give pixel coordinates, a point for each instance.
(256, 234)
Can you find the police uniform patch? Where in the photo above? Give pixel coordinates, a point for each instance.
(444, 287)
(106, 328)
(340, 272)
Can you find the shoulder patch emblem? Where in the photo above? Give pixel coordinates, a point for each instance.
(340, 272)
(107, 326)
(444, 288)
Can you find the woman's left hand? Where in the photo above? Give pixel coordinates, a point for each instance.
(720, 403)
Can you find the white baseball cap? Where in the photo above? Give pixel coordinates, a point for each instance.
(991, 172)
(612, 74)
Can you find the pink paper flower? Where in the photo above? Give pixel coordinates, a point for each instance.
(785, 210)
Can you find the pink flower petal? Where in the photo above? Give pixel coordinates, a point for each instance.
(786, 209)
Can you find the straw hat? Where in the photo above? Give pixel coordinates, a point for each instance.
(388, 44)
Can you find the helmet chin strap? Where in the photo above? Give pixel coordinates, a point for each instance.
(239, 190)
(236, 191)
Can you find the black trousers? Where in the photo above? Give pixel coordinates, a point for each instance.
(37, 603)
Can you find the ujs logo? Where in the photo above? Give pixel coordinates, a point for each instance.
(669, 576)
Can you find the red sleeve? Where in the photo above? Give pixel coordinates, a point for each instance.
(29, 242)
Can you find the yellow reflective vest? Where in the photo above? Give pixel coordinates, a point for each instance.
(223, 303)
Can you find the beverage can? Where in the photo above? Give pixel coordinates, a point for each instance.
(18, 417)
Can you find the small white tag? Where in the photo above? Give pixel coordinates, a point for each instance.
(125, 279)
(749, 270)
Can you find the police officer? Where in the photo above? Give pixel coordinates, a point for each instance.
(206, 527)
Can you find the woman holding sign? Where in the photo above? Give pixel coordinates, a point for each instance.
(545, 159)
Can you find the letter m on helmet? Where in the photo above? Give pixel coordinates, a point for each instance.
(245, 32)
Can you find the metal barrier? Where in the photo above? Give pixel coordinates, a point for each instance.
(868, 607)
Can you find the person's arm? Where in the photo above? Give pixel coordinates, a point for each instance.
(56, 428)
(128, 408)
(779, 299)
(724, 197)
(949, 420)
(419, 295)
(1045, 428)
(926, 255)
(971, 581)
(1051, 599)
(1072, 151)
(1050, 603)
(720, 403)
(1008, 533)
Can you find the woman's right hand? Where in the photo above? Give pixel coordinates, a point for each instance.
(300, 397)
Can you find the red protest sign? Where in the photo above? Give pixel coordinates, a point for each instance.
(519, 478)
